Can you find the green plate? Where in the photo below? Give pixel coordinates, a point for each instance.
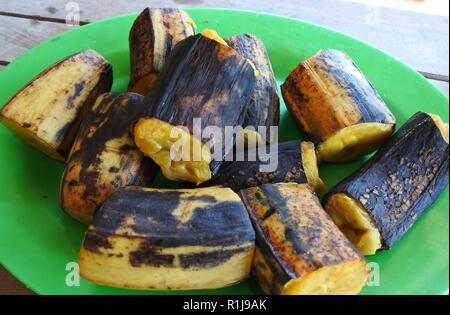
(38, 240)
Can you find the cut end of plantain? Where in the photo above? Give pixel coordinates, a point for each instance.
(46, 113)
(212, 34)
(443, 127)
(180, 155)
(31, 138)
(166, 239)
(354, 141)
(353, 220)
(310, 161)
(341, 279)
(299, 250)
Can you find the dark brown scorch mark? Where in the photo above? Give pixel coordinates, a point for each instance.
(94, 241)
(150, 255)
(51, 10)
(183, 78)
(208, 259)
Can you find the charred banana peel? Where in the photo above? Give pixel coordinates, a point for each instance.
(104, 156)
(181, 94)
(264, 108)
(299, 250)
(153, 35)
(380, 202)
(337, 107)
(46, 113)
(148, 238)
(293, 161)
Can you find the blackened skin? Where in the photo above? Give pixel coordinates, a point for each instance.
(150, 255)
(357, 89)
(243, 174)
(202, 79)
(301, 241)
(264, 108)
(94, 241)
(61, 134)
(142, 43)
(69, 131)
(402, 179)
(311, 240)
(77, 90)
(111, 120)
(208, 259)
(338, 67)
(151, 212)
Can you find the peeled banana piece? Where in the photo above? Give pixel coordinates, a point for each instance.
(205, 84)
(380, 202)
(46, 113)
(104, 156)
(337, 107)
(153, 35)
(146, 238)
(299, 250)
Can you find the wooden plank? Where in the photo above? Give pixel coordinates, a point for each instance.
(419, 40)
(10, 285)
(441, 85)
(18, 35)
(437, 77)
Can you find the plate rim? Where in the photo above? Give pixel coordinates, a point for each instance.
(412, 71)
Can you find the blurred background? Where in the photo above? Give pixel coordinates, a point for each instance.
(437, 7)
(414, 31)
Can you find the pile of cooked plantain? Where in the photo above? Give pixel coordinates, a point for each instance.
(237, 220)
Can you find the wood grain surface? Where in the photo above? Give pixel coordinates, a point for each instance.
(419, 40)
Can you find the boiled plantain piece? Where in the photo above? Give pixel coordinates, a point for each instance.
(47, 111)
(104, 156)
(264, 108)
(166, 239)
(292, 161)
(299, 250)
(153, 35)
(202, 81)
(212, 34)
(337, 107)
(380, 202)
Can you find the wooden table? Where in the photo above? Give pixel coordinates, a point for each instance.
(419, 40)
